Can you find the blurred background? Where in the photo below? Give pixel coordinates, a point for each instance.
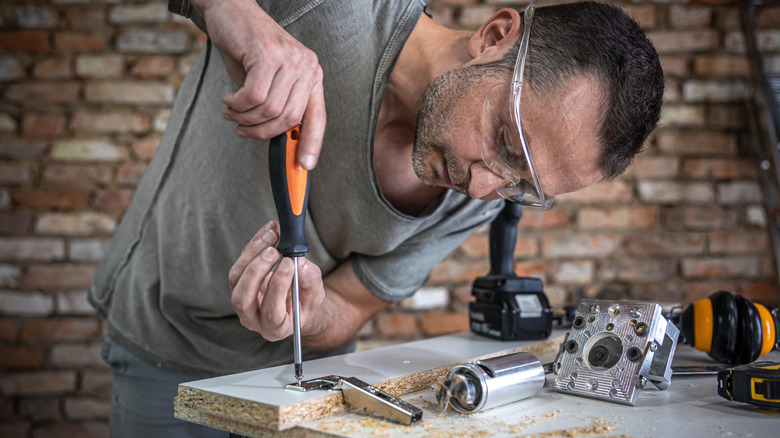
(87, 88)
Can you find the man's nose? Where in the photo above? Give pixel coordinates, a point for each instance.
(484, 182)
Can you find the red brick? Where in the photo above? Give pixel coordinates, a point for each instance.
(104, 122)
(579, 245)
(154, 67)
(533, 268)
(763, 292)
(85, 408)
(738, 242)
(15, 222)
(77, 356)
(574, 272)
(75, 224)
(697, 290)
(675, 66)
(642, 14)
(53, 68)
(451, 271)
(96, 383)
(397, 325)
(682, 116)
(100, 66)
(144, 149)
(740, 192)
(15, 147)
(58, 277)
(674, 192)
(41, 409)
(21, 356)
(129, 174)
(9, 330)
(61, 329)
(82, 40)
(127, 92)
(43, 125)
(721, 65)
(720, 267)
(603, 191)
(13, 173)
(683, 41)
(653, 166)
(666, 243)
(24, 41)
(701, 218)
(38, 383)
(44, 92)
(719, 168)
(444, 323)
(728, 117)
(718, 91)
(99, 149)
(637, 270)
(88, 429)
(685, 17)
(26, 303)
(535, 219)
(51, 198)
(617, 218)
(696, 143)
(86, 17)
(74, 302)
(31, 249)
(113, 199)
(77, 175)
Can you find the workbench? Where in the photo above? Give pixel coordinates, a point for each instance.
(691, 407)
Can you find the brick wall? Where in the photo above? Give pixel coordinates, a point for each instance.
(86, 89)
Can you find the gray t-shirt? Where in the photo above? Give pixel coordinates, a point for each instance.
(162, 285)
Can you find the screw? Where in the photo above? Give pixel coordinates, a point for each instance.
(641, 382)
(594, 308)
(634, 312)
(654, 346)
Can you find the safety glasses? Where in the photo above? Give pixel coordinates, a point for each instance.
(504, 148)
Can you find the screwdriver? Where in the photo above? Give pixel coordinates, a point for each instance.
(290, 186)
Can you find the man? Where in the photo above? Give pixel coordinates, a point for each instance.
(425, 134)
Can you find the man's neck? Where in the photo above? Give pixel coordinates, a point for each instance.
(430, 51)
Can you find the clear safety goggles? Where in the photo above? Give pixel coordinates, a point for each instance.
(504, 148)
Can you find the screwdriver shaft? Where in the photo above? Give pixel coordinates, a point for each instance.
(297, 325)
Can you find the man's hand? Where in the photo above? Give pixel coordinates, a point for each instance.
(279, 79)
(332, 310)
(262, 297)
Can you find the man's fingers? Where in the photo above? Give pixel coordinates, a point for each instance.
(312, 128)
(254, 91)
(244, 296)
(264, 238)
(273, 313)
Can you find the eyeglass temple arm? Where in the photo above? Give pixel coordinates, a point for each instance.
(503, 237)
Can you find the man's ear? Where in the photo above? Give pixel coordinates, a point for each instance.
(502, 30)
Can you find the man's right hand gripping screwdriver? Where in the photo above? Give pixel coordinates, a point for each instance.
(290, 186)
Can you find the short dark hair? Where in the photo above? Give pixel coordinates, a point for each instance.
(601, 41)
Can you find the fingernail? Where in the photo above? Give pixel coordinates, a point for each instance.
(307, 161)
(269, 237)
(269, 225)
(285, 265)
(270, 254)
(224, 114)
(241, 133)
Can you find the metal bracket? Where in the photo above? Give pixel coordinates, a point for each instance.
(363, 396)
(614, 349)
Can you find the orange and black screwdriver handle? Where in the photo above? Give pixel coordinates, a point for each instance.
(290, 186)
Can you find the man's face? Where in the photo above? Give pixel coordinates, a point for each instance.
(560, 128)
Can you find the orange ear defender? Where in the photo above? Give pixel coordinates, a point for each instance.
(730, 328)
